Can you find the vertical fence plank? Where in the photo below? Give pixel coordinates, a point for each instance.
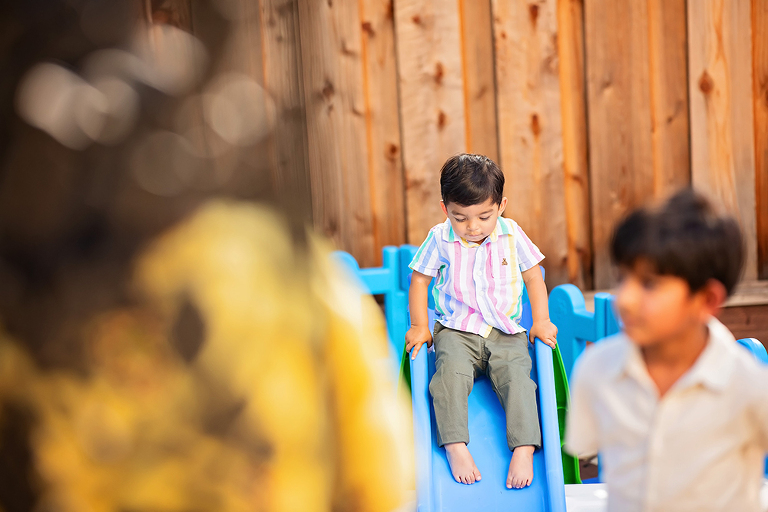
(385, 164)
(530, 127)
(431, 103)
(331, 48)
(760, 84)
(282, 81)
(233, 40)
(236, 43)
(722, 116)
(480, 86)
(669, 95)
(570, 24)
(620, 148)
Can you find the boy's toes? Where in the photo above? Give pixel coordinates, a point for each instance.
(520, 468)
(462, 465)
(522, 482)
(468, 479)
(513, 482)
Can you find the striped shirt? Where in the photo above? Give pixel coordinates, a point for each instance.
(478, 287)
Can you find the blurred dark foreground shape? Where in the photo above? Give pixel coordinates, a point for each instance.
(171, 338)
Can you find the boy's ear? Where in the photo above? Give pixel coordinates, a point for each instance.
(502, 205)
(714, 295)
(445, 210)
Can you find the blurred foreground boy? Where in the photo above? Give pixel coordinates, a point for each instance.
(677, 410)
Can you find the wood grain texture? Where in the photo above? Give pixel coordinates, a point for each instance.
(479, 82)
(431, 103)
(619, 113)
(746, 321)
(760, 89)
(334, 92)
(721, 109)
(385, 162)
(530, 126)
(669, 95)
(283, 83)
(570, 49)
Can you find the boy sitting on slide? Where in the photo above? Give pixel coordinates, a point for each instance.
(480, 261)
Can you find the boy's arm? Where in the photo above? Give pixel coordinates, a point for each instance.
(581, 433)
(762, 407)
(542, 327)
(419, 333)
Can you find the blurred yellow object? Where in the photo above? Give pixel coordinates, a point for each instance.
(279, 407)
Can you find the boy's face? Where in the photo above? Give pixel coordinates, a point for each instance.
(659, 308)
(474, 223)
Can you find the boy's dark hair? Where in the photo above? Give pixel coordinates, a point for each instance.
(684, 237)
(468, 179)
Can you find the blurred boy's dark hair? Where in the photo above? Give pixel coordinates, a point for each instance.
(683, 237)
(468, 179)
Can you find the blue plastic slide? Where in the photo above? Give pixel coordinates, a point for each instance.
(436, 488)
(758, 351)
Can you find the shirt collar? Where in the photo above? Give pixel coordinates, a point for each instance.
(502, 228)
(712, 368)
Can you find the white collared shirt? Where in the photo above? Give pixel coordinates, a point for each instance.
(699, 448)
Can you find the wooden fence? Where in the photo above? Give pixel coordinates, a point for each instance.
(591, 107)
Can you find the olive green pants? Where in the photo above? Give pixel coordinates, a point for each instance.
(504, 358)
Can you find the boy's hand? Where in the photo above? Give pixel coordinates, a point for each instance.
(545, 330)
(416, 336)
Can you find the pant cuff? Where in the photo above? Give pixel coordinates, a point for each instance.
(535, 444)
(442, 441)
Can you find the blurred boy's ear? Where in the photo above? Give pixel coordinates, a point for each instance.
(713, 294)
(445, 209)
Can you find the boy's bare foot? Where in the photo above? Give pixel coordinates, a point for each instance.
(520, 468)
(462, 464)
